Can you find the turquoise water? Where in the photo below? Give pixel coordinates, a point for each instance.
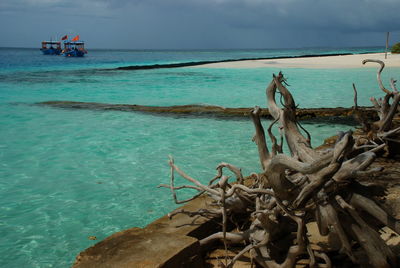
(30, 59)
(69, 174)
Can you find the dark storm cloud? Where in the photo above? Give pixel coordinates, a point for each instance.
(204, 23)
(340, 15)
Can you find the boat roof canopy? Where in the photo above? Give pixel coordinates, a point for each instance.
(74, 43)
(51, 42)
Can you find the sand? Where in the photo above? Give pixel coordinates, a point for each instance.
(328, 62)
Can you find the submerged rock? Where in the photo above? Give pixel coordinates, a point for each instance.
(333, 114)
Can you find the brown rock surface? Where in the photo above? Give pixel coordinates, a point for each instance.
(163, 243)
(207, 110)
(138, 247)
(174, 242)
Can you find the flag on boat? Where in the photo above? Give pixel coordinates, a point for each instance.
(76, 38)
(65, 37)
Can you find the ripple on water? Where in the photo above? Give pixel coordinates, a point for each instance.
(66, 175)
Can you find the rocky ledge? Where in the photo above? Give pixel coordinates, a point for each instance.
(211, 111)
(163, 243)
(174, 243)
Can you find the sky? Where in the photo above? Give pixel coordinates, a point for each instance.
(201, 24)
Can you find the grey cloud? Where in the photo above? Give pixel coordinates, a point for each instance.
(212, 23)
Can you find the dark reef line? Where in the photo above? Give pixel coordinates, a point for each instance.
(196, 63)
(338, 114)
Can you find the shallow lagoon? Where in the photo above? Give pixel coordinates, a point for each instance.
(69, 174)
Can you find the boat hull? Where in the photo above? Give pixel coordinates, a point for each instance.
(50, 51)
(74, 53)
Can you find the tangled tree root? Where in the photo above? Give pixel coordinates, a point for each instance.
(306, 186)
(384, 130)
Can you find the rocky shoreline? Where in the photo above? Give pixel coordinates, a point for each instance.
(175, 242)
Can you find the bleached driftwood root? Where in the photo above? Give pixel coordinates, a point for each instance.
(291, 191)
(383, 130)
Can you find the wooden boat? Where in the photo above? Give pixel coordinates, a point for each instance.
(74, 49)
(51, 47)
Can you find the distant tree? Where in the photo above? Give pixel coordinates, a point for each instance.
(396, 48)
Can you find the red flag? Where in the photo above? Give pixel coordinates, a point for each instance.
(65, 37)
(76, 38)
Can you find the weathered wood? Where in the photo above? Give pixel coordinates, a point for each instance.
(387, 44)
(309, 185)
(382, 130)
(324, 187)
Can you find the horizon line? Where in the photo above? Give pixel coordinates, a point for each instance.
(208, 49)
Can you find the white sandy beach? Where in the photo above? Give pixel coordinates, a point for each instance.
(347, 61)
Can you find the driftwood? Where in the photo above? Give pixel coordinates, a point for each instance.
(306, 186)
(383, 130)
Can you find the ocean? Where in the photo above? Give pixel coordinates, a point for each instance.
(66, 175)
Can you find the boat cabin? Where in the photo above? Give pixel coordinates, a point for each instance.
(51, 47)
(74, 49)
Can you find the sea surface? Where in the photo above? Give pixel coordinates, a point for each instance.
(66, 175)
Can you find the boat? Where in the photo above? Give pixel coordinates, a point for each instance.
(74, 49)
(49, 49)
